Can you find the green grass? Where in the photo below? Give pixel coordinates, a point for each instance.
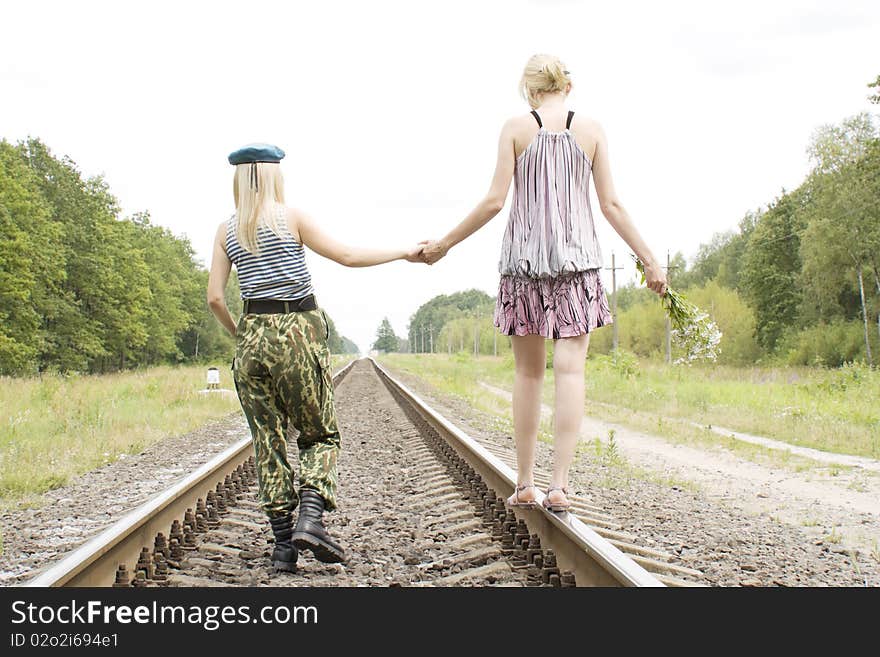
(833, 536)
(339, 360)
(56, 427)
(832, 410)
(617, 471)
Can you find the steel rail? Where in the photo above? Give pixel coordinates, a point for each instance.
(593, 560)
(95, 562)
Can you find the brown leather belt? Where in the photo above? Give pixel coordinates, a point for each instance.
(274, 306)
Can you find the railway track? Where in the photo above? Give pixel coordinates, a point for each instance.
(421, 505)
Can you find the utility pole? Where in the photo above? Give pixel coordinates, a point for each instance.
(865, 317)
(431, 337)
(669, 269)
(614, 331)
(476, 337)
(494, 342)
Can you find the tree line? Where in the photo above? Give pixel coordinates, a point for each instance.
(804, 272)
(461, 321)
(797, 282)
(84, 289)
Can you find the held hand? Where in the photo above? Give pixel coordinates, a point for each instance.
(655, 278)
(433, 251)
(414, 253)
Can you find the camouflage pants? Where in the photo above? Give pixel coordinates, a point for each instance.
(282, 375)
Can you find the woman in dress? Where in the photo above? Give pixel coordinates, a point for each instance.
(550, 263)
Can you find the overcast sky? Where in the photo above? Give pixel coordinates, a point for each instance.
(390, 113)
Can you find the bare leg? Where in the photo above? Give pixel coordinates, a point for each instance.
(530, 358)
(568, 371)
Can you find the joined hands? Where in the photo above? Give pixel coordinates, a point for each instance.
(427, 251)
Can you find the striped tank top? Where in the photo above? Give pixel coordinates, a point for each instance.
(550, 230)
(278, 272)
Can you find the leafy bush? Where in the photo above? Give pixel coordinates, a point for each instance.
(848, 376)
(735, 319)
(643, 329)
(828, 345)
(463, 357)
(624, 363)
(620, 362)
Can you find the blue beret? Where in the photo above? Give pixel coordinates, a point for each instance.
(256, 153)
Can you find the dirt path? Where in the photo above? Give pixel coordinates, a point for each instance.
(846, 504)
(807, 452)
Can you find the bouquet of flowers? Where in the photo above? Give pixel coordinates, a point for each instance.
(692, 329)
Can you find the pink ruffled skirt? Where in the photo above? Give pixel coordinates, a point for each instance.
(563, 306)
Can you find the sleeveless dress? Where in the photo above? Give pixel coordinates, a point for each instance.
(550, 255)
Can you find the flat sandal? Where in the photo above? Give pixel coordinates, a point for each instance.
(556, 507)
(531, 504)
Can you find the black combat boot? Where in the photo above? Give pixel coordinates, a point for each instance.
(309, 533)
(284, 555)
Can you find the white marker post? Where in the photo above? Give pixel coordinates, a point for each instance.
(213, 378)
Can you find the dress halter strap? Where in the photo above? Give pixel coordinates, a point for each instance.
(541, 125)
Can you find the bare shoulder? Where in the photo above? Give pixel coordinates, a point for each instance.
(586, 126)
(522, 124)
(511, 128)
(296, 218)
(588, 133)
(522, 121)
(220, 235)
(294, 214)
(522, 129)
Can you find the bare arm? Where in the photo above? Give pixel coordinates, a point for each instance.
(488, 207)
(351, 256)
(619, 218)
(217, 279)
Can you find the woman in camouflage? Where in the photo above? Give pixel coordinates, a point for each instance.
(282, 361)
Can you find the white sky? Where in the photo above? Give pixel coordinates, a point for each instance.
(390, 113)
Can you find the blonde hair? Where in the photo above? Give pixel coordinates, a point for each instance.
(258, 189)
(543, 74)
